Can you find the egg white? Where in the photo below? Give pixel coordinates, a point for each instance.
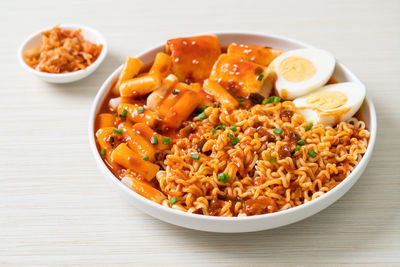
(324, 63)
(355, 93)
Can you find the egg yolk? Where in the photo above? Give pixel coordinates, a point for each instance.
(296, 69)
(327, 99)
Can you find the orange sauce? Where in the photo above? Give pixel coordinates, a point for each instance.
(284, 94)
(332, 80)
(337, 114)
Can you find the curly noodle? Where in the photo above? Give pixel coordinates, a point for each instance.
(267, 172)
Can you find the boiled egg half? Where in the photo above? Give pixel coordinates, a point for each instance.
(332, 103)
(301, 71)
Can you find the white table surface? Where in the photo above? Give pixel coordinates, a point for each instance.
(55, 206)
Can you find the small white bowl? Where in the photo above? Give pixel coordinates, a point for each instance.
(88, 34)
(237, 224)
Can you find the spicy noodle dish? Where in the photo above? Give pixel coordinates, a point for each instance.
(231, 131)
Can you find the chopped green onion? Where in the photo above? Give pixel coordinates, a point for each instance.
(175, 92)
(234, 140)
(140, 110)
(221, 126)
(145, 157)
(249, 110)
(195, 156)
(272, 99)
(278, 131)
(260, 77)
(241, 103)
(312, 153)
(298, 147)
(124, 113)
(202, 116)
(301, 142)
(233, 128)
(223, 177)
(271, 158)
(166, 140)
(103, 152)
(173, 200)
(154, 140)
(200, 110)
(118, 131)
(213, 131)
(309, 127)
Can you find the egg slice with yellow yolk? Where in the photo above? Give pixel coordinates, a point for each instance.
(331, 104)
(301, 71)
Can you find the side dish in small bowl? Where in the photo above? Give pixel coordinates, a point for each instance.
(64, 53)
(232, 132)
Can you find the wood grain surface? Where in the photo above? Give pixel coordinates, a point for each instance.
(57, 209)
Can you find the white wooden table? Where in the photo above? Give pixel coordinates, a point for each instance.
(55, 206)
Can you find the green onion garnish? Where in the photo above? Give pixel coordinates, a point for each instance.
(309, 127)
(118, 131)
(103, 152)
(249, 110)
(140, 110)
(124, 113)
(241, 102)
(298, 147)
(175, 92)
(173, 200)
(213, 131)
(233, 128)
(272, 99)
(154, 140)
(278, 131)
(195, 156)
(145, 157)
(271, 158)
(200, 110)
(260, 77)
(221, 126)
(234, 140)
(301, 142)
(202, 116)
(166, 140)
(223, 177)
(312, 153)
(277, 99)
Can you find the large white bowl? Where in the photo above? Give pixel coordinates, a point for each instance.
(88, 34)
(237, 224)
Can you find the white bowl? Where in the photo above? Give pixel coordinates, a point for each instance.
(88, 34)
(237, 224)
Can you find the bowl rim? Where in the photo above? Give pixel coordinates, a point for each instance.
(355, 174)
(89, 68)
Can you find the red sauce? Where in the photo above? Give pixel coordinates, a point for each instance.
(260, 205)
